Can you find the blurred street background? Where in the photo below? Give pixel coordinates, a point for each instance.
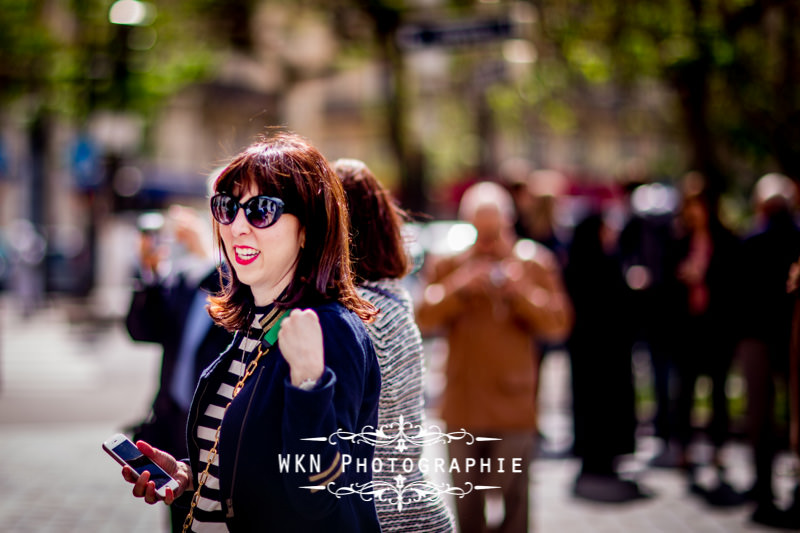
(67, 386)
(115, 109)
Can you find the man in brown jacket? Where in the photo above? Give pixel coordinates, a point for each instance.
(493, 302)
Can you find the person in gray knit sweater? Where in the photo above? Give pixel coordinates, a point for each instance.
(409, 501)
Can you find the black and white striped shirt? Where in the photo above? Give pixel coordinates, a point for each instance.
(208, 515)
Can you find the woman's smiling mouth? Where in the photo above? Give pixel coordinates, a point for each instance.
(245, 255)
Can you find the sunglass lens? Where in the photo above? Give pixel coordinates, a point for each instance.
(224, 208)
(263, 211)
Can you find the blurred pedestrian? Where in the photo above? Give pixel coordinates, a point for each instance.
(380, 262)
(176, 276)
(707, 255)
(493, 302)
(647, 251)
(300, 367)
(600, 348)
(536, 198)
(764, 323)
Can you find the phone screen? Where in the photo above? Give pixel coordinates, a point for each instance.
(129, 453)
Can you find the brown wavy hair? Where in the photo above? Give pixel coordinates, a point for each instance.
(377, 247)
(287, 166)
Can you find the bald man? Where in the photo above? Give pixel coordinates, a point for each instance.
(493, 302)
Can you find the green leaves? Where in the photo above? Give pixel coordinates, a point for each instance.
(69, 58)
(730, 57)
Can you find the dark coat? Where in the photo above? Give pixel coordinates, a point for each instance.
(765, 309)
(600, 348)
(270, 418)
(707, 341)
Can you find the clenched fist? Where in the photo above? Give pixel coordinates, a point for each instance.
(300, 339)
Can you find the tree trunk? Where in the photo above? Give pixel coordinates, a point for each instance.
(409, 154)
(786, 137)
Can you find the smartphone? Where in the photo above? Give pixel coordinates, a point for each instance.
(125, 452)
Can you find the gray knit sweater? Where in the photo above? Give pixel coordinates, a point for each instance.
(398, 345)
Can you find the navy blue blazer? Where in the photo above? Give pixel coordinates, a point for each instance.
(268, 420)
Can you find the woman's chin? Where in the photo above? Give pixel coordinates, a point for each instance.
(245, 276)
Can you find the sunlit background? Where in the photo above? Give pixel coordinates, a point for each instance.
(114, 109)
(111, 108)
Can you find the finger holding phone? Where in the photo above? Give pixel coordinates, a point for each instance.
(146, 488)
(155, 474)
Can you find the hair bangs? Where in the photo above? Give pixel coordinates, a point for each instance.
(267, 173)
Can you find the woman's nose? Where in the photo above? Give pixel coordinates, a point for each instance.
(240, 225)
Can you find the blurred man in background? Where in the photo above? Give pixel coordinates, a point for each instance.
(493, 302)
(765, 324)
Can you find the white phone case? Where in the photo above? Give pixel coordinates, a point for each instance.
(125, 452)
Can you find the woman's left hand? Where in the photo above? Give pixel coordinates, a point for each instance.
(144, 488)
(300, 339)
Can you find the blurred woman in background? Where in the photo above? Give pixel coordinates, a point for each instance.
(705, 328)
(380, 262)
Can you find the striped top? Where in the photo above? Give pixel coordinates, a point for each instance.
(398, 345)
(208, 515)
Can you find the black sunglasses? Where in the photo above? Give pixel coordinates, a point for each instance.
(260, 211)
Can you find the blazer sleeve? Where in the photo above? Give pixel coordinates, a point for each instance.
(345, 399)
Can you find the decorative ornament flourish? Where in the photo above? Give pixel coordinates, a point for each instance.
(400, 494)
(405, 434)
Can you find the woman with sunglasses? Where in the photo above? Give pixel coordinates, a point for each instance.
(264, 450)
(380, 261)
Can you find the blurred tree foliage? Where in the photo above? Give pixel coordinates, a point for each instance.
(732, 65)
(65, 57)
(382, 18)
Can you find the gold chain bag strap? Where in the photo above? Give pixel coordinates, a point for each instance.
(271, 337)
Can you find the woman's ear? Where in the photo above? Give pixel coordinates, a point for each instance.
(302, 237)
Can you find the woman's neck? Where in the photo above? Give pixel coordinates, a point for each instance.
(263, 297)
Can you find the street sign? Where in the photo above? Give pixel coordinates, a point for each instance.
(453, 34)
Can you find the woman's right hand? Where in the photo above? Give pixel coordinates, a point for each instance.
(301, 343)
(144, 488)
